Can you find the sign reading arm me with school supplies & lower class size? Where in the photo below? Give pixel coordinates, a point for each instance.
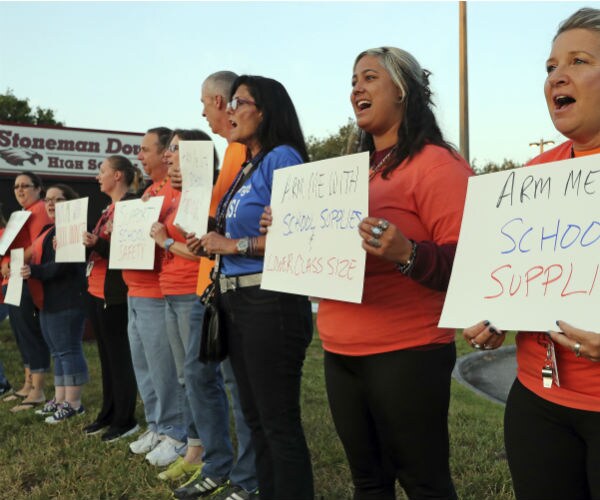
(529, 249)
(313, 246)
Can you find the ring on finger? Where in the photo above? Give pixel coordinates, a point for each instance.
(374, 242)
(376, 231)
(475, 345)
(383, 224)
(577, 349)
(487, 347)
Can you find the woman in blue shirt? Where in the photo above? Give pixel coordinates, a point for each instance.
(267, 332)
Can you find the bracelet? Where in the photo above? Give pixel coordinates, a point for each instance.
(252, 246)
(406, 268)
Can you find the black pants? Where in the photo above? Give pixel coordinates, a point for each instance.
(268, 333)
(553, 451)
(119, 390)
(25, 323)
(391, 413)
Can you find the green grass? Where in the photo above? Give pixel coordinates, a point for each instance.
(38, 461)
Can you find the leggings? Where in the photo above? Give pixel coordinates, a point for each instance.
(391, 413)
(553, 451)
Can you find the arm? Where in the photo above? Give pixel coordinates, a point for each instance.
(158, 231)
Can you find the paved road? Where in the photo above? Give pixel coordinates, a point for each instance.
(489, 373)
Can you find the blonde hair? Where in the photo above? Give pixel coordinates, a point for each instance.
(585, 18)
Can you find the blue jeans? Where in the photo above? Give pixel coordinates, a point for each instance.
(268, 333)
(177, 312)
(154, 367)
(63, 332)
(205, 387)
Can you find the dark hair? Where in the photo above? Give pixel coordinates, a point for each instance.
(2, 219)
(122, 164)
(163, 134)
(68, 192)
(280, 124)
(419, 126)
(34, 178)
(193, 134)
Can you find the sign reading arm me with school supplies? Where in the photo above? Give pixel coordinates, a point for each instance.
(529, 249)
(313, 247)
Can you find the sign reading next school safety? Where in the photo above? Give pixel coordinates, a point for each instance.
(313, 247)
(529, 249)
(62, 151)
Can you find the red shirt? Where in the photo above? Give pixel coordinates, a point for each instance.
(579, 377)
(100, 264)
(145, 283)
(424, 197)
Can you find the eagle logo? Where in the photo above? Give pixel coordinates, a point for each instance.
(18, 157)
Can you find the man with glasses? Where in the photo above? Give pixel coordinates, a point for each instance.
(220, 478)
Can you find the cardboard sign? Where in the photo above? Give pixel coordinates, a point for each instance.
(71, 222)
(131, 246)
(15, 223)
(313, 247)
(196, 159)
(529, 249)
(15, 281)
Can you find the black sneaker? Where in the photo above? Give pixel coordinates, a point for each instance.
(5, 389)
(234, 492)
(200, 487)
(94, 428)
(114, 433)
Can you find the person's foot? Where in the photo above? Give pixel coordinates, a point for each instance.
(178, 470)
(94, 428)
(200, 486)
(49, 408)
(25, 406)
(5, 389)
(165, 452)
(64, 412)
(234, 492)
(115, 433)
(145, 443)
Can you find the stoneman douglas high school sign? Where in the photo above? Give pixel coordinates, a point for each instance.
(62, 151)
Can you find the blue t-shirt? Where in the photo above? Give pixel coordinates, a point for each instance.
(247, 205)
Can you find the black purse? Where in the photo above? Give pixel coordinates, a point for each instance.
(213, 340)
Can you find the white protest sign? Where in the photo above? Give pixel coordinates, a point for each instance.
(131, 246)
(15, 223)
(15, 281)
(196, 159)
(313, 247)
(71, 222)
(529, 249)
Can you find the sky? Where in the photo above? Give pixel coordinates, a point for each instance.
(130, 66)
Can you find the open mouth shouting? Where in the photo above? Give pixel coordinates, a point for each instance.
(562, 101)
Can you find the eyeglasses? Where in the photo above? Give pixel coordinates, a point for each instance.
(236, 102)
(54, 200)
(173, 148)
(23, 186)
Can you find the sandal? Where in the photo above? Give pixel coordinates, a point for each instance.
(25, 405)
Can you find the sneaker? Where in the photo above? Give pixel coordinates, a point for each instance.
(64, 412)
(178, 470)
(94, 428)
(5, 389)
(115, 433)
(200, 486)
(234, 492)
(165, 453)
(145, 443)
(49, 408)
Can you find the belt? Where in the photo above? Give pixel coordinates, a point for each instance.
(227, 283)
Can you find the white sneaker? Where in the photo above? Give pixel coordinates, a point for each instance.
(145, 443)
(165, 453)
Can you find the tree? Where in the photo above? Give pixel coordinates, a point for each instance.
(341, 143)
(494, 167)
(15, 110)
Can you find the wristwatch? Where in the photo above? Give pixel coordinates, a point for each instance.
(168, 243)
(242, 245)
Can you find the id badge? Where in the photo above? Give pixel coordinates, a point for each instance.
(550, 369)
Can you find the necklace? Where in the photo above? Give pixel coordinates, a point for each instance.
(379, 166)
(155, 191)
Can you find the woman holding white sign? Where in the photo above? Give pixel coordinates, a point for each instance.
(108, 311)
(62, 315)
(388, 369)
(267, 332)
(552, 431)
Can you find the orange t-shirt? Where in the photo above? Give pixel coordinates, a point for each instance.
(97, 275)
(424, 197)
(579, 377)
(178, 275)
(235, 156)
(145, 283)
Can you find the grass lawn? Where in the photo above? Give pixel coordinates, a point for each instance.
(39, 461)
